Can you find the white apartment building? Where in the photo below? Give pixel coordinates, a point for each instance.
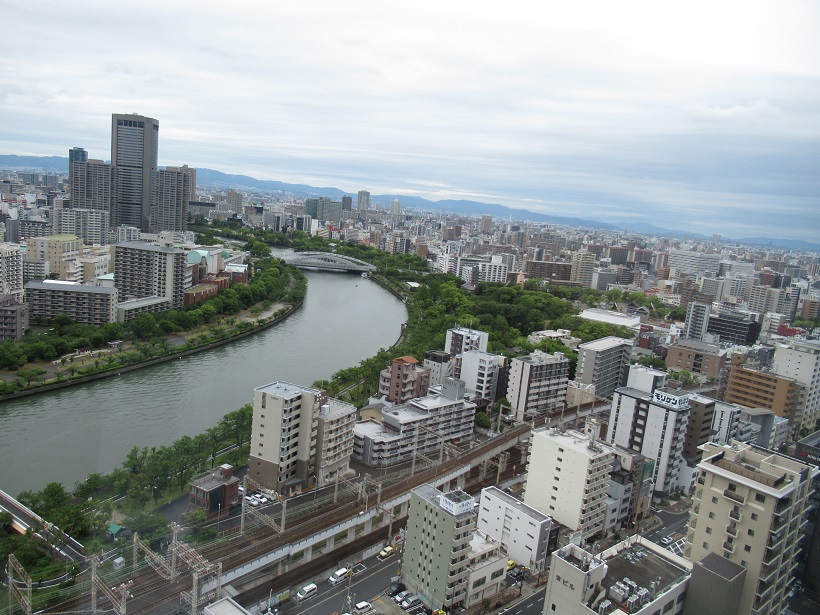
(11, 271)
(419, 425)
(692, 263)
(493, 271)
(725, 422)
(438, 363)
(286, 453)
(486, 570)
(748, 507)
(527, 534)
(569, 478)
(462, 339)
(480, 372)
(604, 363)
(334, 436)
(800, 360)
(537, 384)
(653, 421)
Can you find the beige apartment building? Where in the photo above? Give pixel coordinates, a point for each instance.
(748, 507)
(762, 388)
(298, 435)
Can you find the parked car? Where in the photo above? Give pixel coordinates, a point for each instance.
(399, 598)
(252, 500)
(386, 552)
(261, 498)
(395, 589)
(411, 601)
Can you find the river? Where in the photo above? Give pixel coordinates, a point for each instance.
(66, 435)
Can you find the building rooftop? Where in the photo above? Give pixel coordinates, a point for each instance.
(605, 343)
(225, 606)
(721, 566)
(644, 565)
(517, 504)
(574, 440)
(285, 389)
(375, 430)
(335, 408)
(73, 286)
(151, 247)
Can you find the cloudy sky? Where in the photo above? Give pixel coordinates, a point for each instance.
(689, 115)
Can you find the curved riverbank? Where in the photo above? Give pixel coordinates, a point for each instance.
(65, 435)
(261, 323)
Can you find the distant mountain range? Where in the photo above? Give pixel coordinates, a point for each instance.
(210, 177)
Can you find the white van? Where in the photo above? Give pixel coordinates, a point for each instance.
(363, 607)
(339, 575)
(307, 592)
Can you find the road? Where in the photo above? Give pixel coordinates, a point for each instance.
(531, 605)
(673, 526)
(368, 585)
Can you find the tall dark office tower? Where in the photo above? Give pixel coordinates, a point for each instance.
(134, 146)
(75, 154)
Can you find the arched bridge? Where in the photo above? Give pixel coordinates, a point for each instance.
(328, 260)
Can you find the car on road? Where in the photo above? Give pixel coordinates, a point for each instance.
(339, 575)
(386, 552)
(666, 540)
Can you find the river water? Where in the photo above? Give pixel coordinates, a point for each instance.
(66, 435)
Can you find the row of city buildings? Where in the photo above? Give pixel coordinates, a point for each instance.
(751, 504)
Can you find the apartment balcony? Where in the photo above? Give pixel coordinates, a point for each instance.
(763, 593)
(729, 546)
(731, 530)
(777, 523)
(775, 539)
(771, 557)
(782, 506)
(768, 573)
(734, 496)
(737, 516)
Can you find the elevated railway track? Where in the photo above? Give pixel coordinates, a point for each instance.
(150, 591)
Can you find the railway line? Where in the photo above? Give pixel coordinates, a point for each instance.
(150, 591)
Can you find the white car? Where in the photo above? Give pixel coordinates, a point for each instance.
(251, 500)
(261, 498)
(666, 540)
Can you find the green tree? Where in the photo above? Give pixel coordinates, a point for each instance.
(482, 420)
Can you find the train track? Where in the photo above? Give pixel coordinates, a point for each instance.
(151, 591)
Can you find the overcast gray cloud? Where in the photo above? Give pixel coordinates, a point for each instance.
(695, 115)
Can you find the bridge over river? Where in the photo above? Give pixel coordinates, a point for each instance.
(330, 261)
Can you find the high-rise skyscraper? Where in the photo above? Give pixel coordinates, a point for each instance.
(170, 211)
(363, 201)
(75, 154)
(91, 185)
(134, 148)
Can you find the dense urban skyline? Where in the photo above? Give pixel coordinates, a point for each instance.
(703, 118)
